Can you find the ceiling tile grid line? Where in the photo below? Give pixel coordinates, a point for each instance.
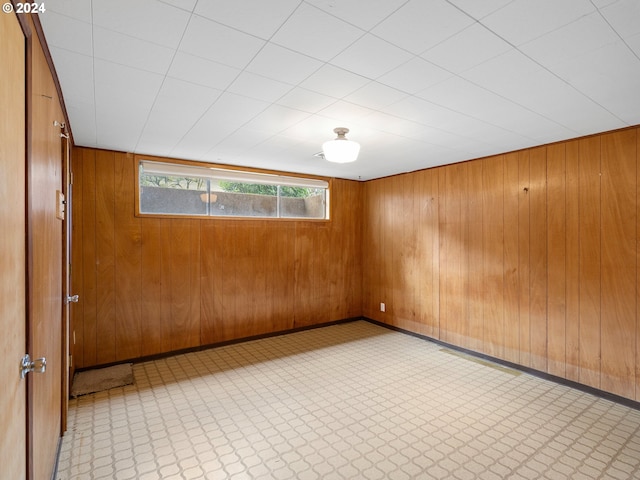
(262, 112)
(419, 83)
(548, 70)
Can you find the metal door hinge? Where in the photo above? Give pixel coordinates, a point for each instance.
(39, 365)
(72, 298)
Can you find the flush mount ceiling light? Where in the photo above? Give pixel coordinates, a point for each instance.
(341, 150)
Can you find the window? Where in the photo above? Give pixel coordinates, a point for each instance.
(178, 189)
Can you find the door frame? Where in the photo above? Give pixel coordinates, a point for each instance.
(67, 191)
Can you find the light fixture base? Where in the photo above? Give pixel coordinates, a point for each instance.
(340, 150)
(341, 132)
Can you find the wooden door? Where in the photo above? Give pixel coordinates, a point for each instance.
(45, 267)
(12, 249)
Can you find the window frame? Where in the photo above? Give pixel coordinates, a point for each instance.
(241, 171)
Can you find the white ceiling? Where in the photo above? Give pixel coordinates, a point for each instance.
(418, 82)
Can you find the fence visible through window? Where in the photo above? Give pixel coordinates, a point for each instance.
(185, 190)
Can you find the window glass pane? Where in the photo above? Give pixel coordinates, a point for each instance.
(179, 189)
(164, 194)
(302, 202)
(240, 199)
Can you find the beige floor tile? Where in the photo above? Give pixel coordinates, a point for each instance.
(351, 401)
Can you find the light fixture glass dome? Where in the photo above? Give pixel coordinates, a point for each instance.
(341, 150)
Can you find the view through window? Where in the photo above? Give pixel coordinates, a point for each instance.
(179, 189)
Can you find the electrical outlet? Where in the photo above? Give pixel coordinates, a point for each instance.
(383, 307)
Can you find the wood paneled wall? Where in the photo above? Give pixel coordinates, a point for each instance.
(531, 257)
(155, 285)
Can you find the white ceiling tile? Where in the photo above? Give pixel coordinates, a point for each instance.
(275, 119)
(375, 95)
(466, 49)
(610, 76)
(82, 119)
(237, 110)
(415, 75)
(258, 87)
(201, 71)
(334, 82)
(394, 125)
(553, 70)
(207, 39)
(481, 9)
(247, 16)
(352, 11)
(624, 17)
(344, 113)
(145, 19)
(315, 33)
(283, 64)
(586, 34)
(176, 109)
(468, 133)
(522, 20)
(460, 95)
(123, 89)
(315, 128)
(634, 44)
(78, 9)
(186, 5)
(420, 25)
(68, 33)
(305, 100)
(233, 146)
(524, 82)
(416, 110)
(75, 73)
(223, 118)
(603, 3)
(371, 57)
(130, 51)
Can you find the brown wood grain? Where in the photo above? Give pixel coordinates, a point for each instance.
(493, 255)
(427, 263)
(105, 257)
(524, 257)
(128, 263)
(590, 264)
(155, 332)
(180, 286)
(86, 231)
(557, 259)
(452, 288)
(511, 259)
(572, 252)
(13, 251)
(618, 249)
(637, 394)
(45, 254)
(77, 263)
(538, 258)
(475, 256)
(372, 251)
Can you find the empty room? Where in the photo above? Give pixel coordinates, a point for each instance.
(320, 239)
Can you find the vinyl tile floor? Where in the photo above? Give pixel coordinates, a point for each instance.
(349, 401)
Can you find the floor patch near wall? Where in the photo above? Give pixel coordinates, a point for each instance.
(100, 379)
(486, 363)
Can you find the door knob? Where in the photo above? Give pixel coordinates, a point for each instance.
(39, 365)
